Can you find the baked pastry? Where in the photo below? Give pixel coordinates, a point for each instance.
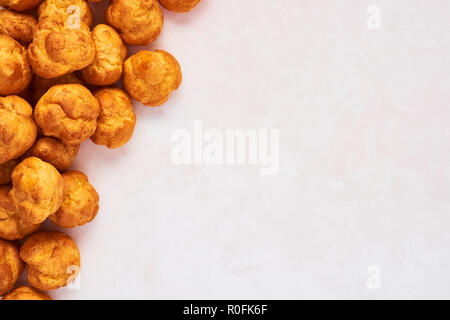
(68, 112)
(19, 26)
(65, 9)
(40, 85)
(80, 204)
(58, 49)
(50, 256)
(117, 119)
(55, 152)
(26, 293)
(11, 266)
(20, 5)
(139, 22)
(15, 72)
(110, 52)
(12, 226)
(17, 128)
(150, 76)
(38, 190)
(179, 5)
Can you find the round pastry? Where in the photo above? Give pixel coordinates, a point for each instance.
(51, 258)
(26, 293)
(179, 5)
(15, 72)
(11, 266)
(67, 9)
(6, 170)
(58, 49)
(139, 22)
(19, 26)
(55, 152)
(20, 5)
(12, 226)
(40, 85)
(38, 190)
(17, 128)
(110, 52)
(117, 119)
(150, 76)
(80, 204)
(68, 112)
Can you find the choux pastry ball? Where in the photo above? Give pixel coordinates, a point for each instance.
(179, 5)
(117, 119)
(139, 22)
(26, 293)
(39, 86)
(15, 72)
(68, 9)
(37, 190)
(110, 52)
(20, 5)
(68, 112)
(80, 204)
(19, 26)
(17, 128)
(11, 266)
(55, 152)
(151, 76)
(52, 258)
(12, 226)
(58, 48)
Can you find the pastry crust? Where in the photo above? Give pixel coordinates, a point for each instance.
(55, 152)
(110, 52)
(52, 8)
(179, 5)
(12, 226)
(58, 49)
(19, 26)
(17, 128)
(68, 112)
(40, 85)
(11, 266)
(20, 5)
(26, 293)
(15, 72)
(139, 22)
(51, 257)
(80, 204)
(117, 119)
(38, 190)
(150, 76)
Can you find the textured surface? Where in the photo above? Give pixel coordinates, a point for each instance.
(19, 26)
(49, 257)
(110, 52)
(81, 201)
(139, 22)
(52, 8)
(12, 225)
(26, 293)
(40, 85)
(151, 76)
(117, 119)
(37, 191)
(68, 112)
(17, 128)
(15, 72)
(10, 266)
